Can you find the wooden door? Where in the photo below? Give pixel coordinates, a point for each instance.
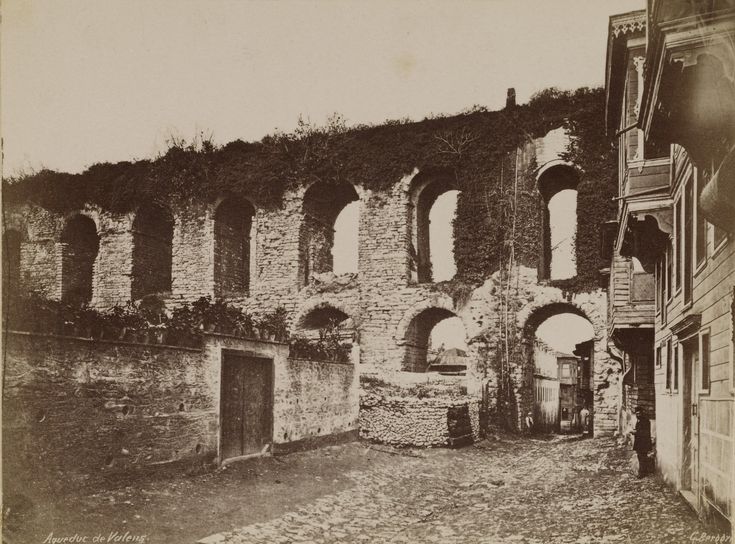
(246, 404)
(690, 434)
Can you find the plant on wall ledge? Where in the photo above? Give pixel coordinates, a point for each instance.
(274, 325)
(328, 347)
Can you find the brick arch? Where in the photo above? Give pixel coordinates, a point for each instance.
(322, 305)
(414, 329)
(92, 215)
(537, 311)
(553, 178)
(555, 163)
(320, 205)
(423, 190)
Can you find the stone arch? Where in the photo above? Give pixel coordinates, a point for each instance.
(321, 307)
(414, 330)
(558, 227)
(322, 314)
(533, 314)
(233, 221)
(423, 191)
(80, 244)
(601, 371)
(153, 231)
(321, 205)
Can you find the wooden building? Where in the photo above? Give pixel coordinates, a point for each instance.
(671, 104)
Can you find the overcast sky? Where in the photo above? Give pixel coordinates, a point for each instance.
(95, 80)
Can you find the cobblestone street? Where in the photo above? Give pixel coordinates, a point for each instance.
(526, 491)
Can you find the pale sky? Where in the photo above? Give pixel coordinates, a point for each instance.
(97, 80)
(85, 81)
(563, 331)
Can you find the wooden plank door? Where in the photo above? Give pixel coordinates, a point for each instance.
(690, 431)
(246, 404)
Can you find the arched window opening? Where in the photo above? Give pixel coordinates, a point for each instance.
(433, 208)
(233, 220)
(153, 231)
(344, 251)
(558, 188)
(11, 261)
(435, 340)
(323, 204)
(441, 236)
(563, 370)
(326, 318)
(80, 245)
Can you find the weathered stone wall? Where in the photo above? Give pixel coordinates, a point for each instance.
(84, 409)
(192, 261)
(410, 421)
(89, 409)
(382, 303)
(316, 398)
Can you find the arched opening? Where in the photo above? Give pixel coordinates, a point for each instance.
(80, 245)
(11, 261)
(558, 188)
(323, 205)
(233, 220)
(562, 357)
(435, 340)
(321, 317)
(433, 207)
(153, 231)
(324, 333)
(346, 230)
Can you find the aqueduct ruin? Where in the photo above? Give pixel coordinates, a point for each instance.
(261, 257)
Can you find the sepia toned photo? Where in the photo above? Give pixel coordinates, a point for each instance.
(391, 271)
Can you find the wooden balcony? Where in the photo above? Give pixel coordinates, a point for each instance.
(631, 297)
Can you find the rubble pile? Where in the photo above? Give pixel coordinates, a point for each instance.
(418, 422)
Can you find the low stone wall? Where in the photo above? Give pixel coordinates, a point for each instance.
(314, 399)
(427, 422)
(77, 410)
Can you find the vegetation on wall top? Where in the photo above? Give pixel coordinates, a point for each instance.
(477, 146)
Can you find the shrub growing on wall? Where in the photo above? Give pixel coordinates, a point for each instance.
(478, 146)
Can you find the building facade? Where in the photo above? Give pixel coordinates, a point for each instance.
(671, 104)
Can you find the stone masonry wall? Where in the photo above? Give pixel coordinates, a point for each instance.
(413, 422)
(86, 410)
(381, 303)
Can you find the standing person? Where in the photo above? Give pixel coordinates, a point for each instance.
(584, 416)
(529, 422)
(642, 440)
